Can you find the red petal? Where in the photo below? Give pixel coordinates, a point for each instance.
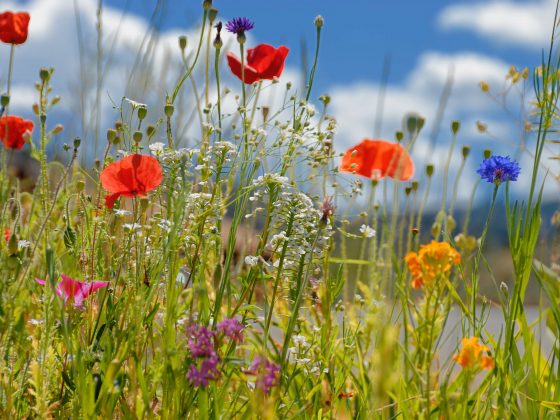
(133, 175)
(14, 27)
(16, 127)
(378, 158)
(235, 65)
(267, 60)
(110, 200)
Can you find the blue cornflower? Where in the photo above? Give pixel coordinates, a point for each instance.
(239, 25)
(497, 169)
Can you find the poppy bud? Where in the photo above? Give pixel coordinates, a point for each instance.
(97, 163)
(414, 185)
(212, 14)
(455, 125)
(5, 100)
(465, 151)
(55, 100)
(429, 170)
(43, 118)
(111, 134)
(407, 190)
(44, 74)
(169, 108)
(207, 4)
(487, 153)
(77, 142)
(118, 125)
(142, 112)
(35, 108)
(399, 135)
(58, 129)
(319, 22)
(182, 42)
(65, 147)
(150, 130)
(137, 136)
(13, 244)
(80, 185)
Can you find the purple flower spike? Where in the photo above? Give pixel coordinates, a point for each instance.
(497, 169)
(267, 373)
(208, 372)
(201, 343)
(239, 25)
(232, 329)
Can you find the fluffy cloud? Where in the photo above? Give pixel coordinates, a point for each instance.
(519, 23)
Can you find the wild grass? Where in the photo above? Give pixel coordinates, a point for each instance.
(245, 286)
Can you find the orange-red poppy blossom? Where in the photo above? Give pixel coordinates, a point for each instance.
(13, 27)
(13, 131)
(264, 62)
(376, 159)
(135, 175)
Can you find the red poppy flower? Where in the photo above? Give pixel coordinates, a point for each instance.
(13, 27)
(134, 175)
(16, 128)
(263, 62)
(378, 158)
(7, 234)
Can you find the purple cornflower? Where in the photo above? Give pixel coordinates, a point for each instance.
(239, 25)
(497, 169)
(267, 373)
(232, 328)
(201, 343)
(208, 372)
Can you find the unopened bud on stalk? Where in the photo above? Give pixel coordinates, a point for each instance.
(455, 125)
(58, 129)
(465, 151)
(97, 164)
(451, 224)
(207, 4)
(13, 244)
(407, 190)
(150, 130)
(5, 100)
(118, 125)
(55, 100)
(80, 186)
(319, 22)
(414, 185)
(429, 170)
(182, 42)
(77, 142)
(218, 40)
(436, 229)
(169, 109)
(44, 74)
(111, 135)
(484, 86)
(142, 112)
(144, 203)
(137, 136)
(504, 289)
(399, 135)
(212, 15)
(487, 153)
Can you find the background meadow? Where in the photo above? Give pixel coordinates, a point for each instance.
(233, 263)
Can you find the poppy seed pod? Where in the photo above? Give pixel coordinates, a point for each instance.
(150, 130)
(44, 74)
(487, 153)
(212, 14)
(5, 100)
(399, 135)
(429, 170)
(182, 42)
(111, 135)
(169, 109)
(77, 142)
(142, 112)
(465, 151)
(455, 125)
(137, 136)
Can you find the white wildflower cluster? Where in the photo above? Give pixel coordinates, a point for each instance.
(367, 231)
(301, 354)
(170, 156)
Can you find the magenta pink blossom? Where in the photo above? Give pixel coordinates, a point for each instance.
(77, 291)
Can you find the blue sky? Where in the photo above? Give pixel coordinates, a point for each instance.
(476, 40)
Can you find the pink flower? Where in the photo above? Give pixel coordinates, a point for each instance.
(76, 290)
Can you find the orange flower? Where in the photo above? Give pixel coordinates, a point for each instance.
(474, 355)
(13, 27)
(376, 159)
(431, 261)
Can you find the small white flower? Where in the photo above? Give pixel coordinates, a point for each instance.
(122, 212)
(367, 231)
(133, 103)
(251, 260)
(132, 226)
(157, 148)
(23, 244)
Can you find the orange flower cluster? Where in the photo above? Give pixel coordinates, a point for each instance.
(432, 260)
(473, 355)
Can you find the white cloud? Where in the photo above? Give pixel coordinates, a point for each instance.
(527, 24)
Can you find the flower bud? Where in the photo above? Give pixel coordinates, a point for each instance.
(13, 244)
(169, 109)
(43, 118)
(35, 108)
(407, 190)
(142, 112)
(182, 42)
(414, 185)
(465, 151)
(455, 125)
(429, 170)
(212, 14)
(150, 130)
(207, 4)
(436, 229)
(44, 74)
(77, 142)
(55, 100)
(111, 135)
(137, 136)
(451, 224)
(399, 135)
(58, 129)
(118, 125)
(5, 100)
(487, 153)
(80, 186)
(319, 22)
(484, 86)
